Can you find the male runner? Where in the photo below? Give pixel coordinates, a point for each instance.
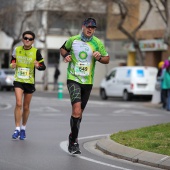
(24, 60)
(81, 51)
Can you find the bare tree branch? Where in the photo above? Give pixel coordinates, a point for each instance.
(160, 12)
(124, 13)
(144, 19)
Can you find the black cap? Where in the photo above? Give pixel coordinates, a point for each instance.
(90, 22)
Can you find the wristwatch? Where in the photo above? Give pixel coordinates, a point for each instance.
(99, 58)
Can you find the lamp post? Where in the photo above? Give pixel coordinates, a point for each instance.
(45, 53)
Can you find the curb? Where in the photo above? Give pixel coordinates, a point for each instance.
(112, 148)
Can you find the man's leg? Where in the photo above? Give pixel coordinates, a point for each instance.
(75, 120)
(79, 95)
(25, 115)
(18, 112)
(18, 107)
(26, 108)
(164, 97)
(168, 100)
(75, 97)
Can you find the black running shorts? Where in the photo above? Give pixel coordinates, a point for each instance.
(79, 92)
(26, 87)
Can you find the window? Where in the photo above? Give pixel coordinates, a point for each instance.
(111, 75)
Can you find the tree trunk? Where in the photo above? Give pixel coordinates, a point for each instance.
(167, 33)
(139, 53)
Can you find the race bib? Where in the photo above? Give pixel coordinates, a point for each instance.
(23, 73)
(82, 69)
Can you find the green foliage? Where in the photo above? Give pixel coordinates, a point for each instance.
(153, 138)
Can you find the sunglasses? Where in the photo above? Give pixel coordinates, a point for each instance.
(29, 39)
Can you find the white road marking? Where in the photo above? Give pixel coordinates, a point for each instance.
(139, 112)
(64, 146)
(91, 114)
(49, 114)
(45, 110)
(119, 111)
(7, 106)
(130, 112)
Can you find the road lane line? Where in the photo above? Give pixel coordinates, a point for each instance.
(119, 111)
(64, 146)
(5, 106)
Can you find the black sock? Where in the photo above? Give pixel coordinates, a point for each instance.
(75, 126)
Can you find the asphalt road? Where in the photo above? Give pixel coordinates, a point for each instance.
(48, 128)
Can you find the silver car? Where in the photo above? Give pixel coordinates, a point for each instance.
(6, 79)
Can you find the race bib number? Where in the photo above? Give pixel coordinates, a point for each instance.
(23, 73)
(82, 69)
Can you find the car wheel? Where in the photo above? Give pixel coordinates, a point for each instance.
(103, 94)
(126, 96)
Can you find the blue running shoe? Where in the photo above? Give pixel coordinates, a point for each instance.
(22, 135)
(16, 134)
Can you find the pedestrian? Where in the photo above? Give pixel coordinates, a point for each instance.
(159, 81)
(163, 87)
(166, 84)
(25, 59)
(56, 75)
(81, 52)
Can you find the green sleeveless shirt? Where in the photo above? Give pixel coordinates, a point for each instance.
(25, 70)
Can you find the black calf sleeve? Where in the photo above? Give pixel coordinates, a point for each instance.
(75, 126)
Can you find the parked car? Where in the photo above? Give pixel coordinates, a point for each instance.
(6, 79)
(127, 82)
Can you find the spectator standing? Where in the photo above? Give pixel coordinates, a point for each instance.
(159, 80)
(56, 75)
(166, 85)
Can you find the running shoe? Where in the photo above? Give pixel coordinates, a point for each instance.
(22, 135)
(16, 134)
(73, 147)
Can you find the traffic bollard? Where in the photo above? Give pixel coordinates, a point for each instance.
(60, 90)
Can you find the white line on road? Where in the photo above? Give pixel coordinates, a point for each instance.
(139, 112)
(119, 111)
(45, 109)
(5, 106)
(64, 147)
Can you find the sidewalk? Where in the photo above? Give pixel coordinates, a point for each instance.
(112, 148)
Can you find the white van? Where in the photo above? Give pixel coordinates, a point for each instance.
(129, 81)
